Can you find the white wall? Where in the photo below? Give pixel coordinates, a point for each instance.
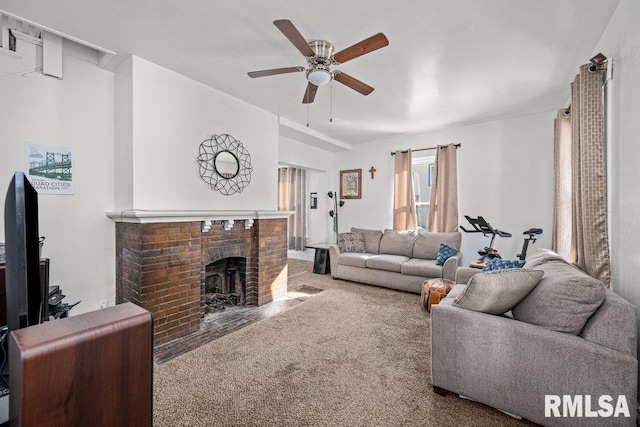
(621, 42)
(373, 210)
(161, 119)
(319, 166)
(320, 227)
(172, 115)
(123, 121)
(76, 111)
(505, 174)
(295, 153)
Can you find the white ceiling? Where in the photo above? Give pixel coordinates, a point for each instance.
(448, 62)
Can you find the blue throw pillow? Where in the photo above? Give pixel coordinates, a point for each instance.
(503, 264)
(444, 253)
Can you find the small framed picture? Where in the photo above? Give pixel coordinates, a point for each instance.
(351, 184)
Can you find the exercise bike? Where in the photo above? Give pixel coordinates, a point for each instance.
(480, 225)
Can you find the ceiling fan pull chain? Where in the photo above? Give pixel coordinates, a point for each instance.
(331, 103)
(307, 115)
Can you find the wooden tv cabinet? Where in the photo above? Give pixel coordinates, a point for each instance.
(92, 369)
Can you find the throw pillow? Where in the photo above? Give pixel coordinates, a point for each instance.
(444, 253)
(503, 264)
(496, 292)
(563, 301)
(350, 242)
(371, 239)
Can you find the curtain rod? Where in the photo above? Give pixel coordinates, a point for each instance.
(424, 149)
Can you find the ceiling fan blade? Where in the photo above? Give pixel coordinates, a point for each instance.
(353, 83)
(274, 71)
(374, 42)
(294, 36)
(309, 93)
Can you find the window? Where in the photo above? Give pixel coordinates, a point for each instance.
(422, 172)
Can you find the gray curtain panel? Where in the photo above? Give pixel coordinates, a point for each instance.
(590, 241)
(580, 229)
(292, 188)
(443, 204)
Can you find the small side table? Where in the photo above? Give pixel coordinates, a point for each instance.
(321, 261)
(433, 291)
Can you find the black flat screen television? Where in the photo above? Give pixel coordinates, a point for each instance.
(24, 293)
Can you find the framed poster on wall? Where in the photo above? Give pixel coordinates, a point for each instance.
(50, 168)
(351, 184)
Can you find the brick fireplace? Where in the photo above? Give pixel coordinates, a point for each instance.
(162, 259)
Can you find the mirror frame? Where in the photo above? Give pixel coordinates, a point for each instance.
(209, 149)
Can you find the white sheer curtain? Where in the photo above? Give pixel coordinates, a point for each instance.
(292, 185)
(562, 211)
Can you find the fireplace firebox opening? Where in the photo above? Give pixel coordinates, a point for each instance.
(225, 284)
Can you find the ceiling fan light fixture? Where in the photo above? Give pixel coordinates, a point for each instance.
(319, 77)
(320, 58)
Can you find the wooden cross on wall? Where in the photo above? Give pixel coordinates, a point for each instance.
(372, 171)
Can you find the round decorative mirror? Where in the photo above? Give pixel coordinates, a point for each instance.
(226, 164)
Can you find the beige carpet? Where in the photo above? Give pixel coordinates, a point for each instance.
(351, 355)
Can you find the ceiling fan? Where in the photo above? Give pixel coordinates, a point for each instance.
(320, 58)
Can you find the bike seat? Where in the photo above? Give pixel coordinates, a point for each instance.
(533, 231)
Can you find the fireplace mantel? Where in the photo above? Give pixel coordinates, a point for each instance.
(141, 216)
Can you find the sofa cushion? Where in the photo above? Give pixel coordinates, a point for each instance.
(386, 262)
(503, 264)
(427, 244)
(421, 267)
(541, 256)
(565, 298)
(496, 292)
(371, 239)
(354, 259)
(444, 253)
(397, 243)
(351, 242)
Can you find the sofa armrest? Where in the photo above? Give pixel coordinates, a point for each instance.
(463, 274)
(489, 358)
(334, 251)
(613, 325)
(450, 266)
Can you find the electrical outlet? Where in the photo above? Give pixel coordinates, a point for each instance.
(103, 304)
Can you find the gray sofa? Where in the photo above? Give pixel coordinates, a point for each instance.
(397, 260)
(578, 340)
